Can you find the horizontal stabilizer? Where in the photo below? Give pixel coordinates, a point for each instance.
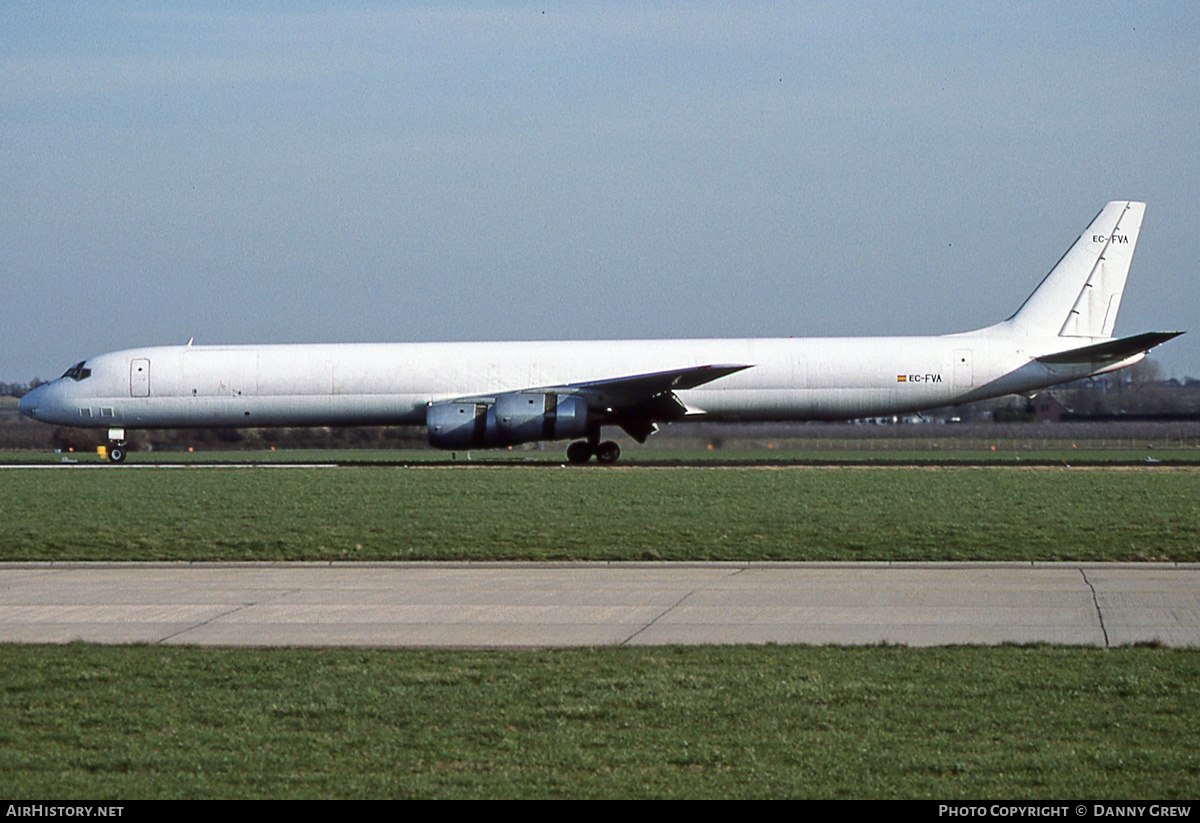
(1112, 351)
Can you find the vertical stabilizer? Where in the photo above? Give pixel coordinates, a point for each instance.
(1080, 296)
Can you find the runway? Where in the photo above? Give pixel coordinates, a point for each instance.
(538, 605)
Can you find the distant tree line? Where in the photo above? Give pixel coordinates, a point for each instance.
(19, 389)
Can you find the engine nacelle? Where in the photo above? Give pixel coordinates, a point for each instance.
(515, 417)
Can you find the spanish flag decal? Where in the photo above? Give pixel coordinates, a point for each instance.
(900, 378)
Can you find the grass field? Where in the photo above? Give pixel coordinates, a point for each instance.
(133, 722)
(506, 512)
(94, 722)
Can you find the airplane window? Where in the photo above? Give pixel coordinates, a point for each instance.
(78, 372)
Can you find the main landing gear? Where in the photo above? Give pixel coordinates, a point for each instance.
(116, 445)
(582, 450)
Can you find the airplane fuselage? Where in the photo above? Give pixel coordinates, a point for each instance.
(393, 383)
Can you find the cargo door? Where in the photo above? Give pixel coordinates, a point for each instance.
(139, 377)
(963, 374)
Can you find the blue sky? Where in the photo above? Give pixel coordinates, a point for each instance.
(291, 172)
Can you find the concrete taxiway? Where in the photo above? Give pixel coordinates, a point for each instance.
(594, 604)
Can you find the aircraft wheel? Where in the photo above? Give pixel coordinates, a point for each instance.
(117, 454)
(579, 452)
(607, 452)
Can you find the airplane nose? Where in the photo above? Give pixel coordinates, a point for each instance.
(28, 404)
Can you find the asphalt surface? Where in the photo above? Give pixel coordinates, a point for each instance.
(516, 605)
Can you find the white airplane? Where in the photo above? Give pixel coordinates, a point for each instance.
(478, 395)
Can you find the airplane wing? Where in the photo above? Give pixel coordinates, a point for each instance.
(637, 402)
(642, 386)
(1111, 351)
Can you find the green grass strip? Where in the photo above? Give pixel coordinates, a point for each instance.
(83, 721)
(552, 513)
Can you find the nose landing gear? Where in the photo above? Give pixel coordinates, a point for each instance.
(117, 447)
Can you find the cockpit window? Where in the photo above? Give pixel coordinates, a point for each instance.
(78, 372)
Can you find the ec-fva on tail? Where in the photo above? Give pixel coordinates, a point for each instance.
(479, 395)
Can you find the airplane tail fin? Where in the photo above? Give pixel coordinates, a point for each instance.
(1081, 294)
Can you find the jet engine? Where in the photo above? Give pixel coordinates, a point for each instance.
(515, 417)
